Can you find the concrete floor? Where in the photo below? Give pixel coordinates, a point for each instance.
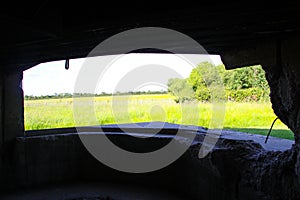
(91, 191)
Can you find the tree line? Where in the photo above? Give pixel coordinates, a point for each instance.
(208, 82)
(69, 95)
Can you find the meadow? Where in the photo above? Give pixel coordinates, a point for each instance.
(249, 117)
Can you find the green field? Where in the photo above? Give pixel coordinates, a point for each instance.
(247, 117)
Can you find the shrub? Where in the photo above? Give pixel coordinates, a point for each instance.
(247, 95)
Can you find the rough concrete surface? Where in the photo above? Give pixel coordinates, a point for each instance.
(237, 168)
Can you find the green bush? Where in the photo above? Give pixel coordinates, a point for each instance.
(247, 95)
(181, 90)
(203, 94)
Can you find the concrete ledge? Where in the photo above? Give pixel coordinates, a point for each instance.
(235, 169)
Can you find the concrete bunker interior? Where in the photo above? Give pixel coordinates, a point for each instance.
(266, 34)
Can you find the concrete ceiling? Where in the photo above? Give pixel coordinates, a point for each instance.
(41, 31)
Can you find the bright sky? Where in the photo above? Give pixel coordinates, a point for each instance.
(50, 78)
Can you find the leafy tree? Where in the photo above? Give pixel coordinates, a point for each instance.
(180, 89)
(207, 82)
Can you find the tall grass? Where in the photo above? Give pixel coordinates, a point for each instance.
(247, 117)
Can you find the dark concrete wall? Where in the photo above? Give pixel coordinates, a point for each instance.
(11, 106)
(235, 169)
(1, 109)
(62, 158)
(11, 121)
(1, 127)
(283, 78)
(280, 59)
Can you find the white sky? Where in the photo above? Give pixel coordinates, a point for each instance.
(50, 78)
